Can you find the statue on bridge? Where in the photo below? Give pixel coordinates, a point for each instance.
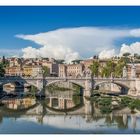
(87, 73)
(133, 71)
(124, 72)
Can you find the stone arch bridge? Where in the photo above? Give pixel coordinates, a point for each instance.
(130, 86)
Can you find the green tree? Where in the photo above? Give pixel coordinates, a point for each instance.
(76, 61)
(126, 54)
(126, 57)
(95, 68)
(2, 70)
(60, 61)
(119, 67)
(108, 69)
(45, 70)
(104, 72)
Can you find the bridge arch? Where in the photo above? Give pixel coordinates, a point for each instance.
(54, 110)
(124, 88)
(74, 82)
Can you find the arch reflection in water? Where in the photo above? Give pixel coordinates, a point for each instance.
(63, 101)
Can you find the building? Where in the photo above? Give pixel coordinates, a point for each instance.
(87, 63)
(137, 70)
(14, 62)
(52, 66)
(13, 71)
(62, 70)
(71, 70)
(33, 71)
(36, 71)
(27, 71)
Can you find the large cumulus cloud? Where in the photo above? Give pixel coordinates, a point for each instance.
(75, 43)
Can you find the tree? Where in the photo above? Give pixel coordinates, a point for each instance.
(3, 60)
(136, 56)
(45, 70)
(126, 54)
(95, 68)
(109, 69)
(104, 72)
(59, 61)
(2, 70)
(119, 67)
(76, 61)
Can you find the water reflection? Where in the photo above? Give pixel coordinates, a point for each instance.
(63, 101)
(19, 103)
(62, 112)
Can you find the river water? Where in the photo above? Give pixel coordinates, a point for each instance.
(62, 113)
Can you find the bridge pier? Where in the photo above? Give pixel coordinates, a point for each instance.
(88, 110)
(88, 88)
(50, 104)
(134, 88)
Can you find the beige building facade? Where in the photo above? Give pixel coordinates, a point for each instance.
(71, 70)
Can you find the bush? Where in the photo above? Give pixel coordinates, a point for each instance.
(105, 101)
(125, 101)
(106, 109)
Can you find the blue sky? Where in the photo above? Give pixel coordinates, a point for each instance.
(34, 20)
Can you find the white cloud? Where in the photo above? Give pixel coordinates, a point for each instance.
(132, 48)
(58, 52)
(107, 54)
(75, 43)
(135, 32)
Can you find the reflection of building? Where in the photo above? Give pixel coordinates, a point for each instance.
(9, 87)
(133, 121)
(69, 103)
(61, 103)
(125, 119)
(19, 103)
(71, 70)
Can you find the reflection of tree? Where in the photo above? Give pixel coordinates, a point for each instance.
(77, 99)
(1, 118)
(33, 90)
(40, 119)
(108, 120)
(120, 123)
(97, 117)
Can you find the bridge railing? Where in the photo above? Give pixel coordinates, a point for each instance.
(62, 78)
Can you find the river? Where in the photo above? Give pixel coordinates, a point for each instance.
(62, 113)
